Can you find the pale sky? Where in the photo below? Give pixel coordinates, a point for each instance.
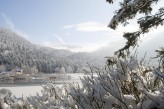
(76, 25)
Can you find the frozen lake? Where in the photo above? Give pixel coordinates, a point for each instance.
(18, 91)
(27, 90)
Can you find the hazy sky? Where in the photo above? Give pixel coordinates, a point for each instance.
(77, 25)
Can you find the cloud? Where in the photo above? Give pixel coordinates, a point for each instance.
(60, 39)
(113, 40)
(69, 26)
(67, 33)
(92, 26)
(8, 21)
(88, 27)
(12, 26)
(72, 48)
(153, 36)
(91, 47)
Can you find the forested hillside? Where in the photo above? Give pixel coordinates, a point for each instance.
(17, 51)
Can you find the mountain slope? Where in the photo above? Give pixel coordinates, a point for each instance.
(17, 51)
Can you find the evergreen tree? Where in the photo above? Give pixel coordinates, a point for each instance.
(128, 10)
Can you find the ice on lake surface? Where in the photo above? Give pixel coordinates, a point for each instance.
(18, 91)
(31, 90)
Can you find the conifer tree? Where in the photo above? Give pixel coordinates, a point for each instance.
(128, 10)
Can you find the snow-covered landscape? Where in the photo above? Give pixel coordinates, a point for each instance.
(127, 85)
(101, 54)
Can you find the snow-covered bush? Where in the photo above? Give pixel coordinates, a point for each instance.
(122, 84)
(4, 98)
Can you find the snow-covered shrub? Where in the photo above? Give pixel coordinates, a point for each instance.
(4, 98)
(122, 84)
